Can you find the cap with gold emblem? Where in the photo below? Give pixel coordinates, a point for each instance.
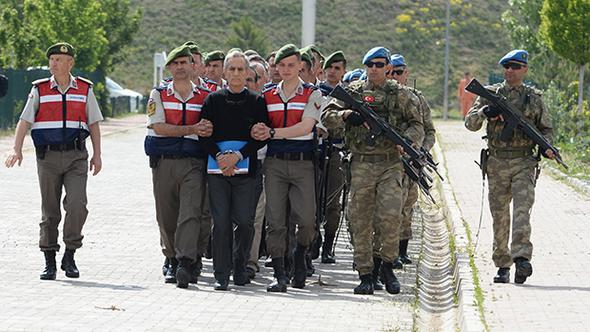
(61, 48)
(178, 52)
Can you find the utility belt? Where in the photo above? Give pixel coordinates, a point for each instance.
(510, 154)
(376, 158)
(155, 160)
(40, 150)
(292, 155)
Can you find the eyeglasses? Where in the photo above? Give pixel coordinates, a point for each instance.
(514, 66)
(370, 64)
(398, 72)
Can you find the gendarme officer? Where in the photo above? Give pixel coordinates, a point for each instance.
(62, 112)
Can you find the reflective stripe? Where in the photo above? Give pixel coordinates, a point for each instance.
(275, 107)
(178, 106)
(300, 138)
(57, 98)
(59, 124)
(296, 106)
(151, 132)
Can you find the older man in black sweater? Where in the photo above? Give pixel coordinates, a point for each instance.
(232, 168)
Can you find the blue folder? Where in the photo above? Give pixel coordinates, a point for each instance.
(242, 165)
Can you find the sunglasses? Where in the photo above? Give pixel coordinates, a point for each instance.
(514, 66)
(398, 72)
(370, 64)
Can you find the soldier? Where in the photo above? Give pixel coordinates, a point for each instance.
(400, 73)
(177, 159)
(377, 182)
(307, 72)
(275, 77)
(62, 112)
(318, 57)
(512, 167)
(198, 65)
(214, 68)
(334, 69)
(293, 110)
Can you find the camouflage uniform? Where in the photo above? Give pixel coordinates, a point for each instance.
(511, 170)
(376, 190)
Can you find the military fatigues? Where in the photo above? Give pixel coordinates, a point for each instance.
(511, 171)
(376, 189)
(61, 154)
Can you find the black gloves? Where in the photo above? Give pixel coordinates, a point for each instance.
(491, 111)
(355, 118)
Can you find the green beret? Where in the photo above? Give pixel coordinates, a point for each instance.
(334, 57)
(194, 48)
(313, 48)
(307, 57)
(61, 48)
(178, 52)
(286, 51)
(214, 56)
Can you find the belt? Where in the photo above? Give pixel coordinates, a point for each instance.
(375, 158)
(166, 156)
(293, 155)
(62, 147)
(510, 154)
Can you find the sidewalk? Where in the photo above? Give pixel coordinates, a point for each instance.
(555, 297)
(121, 287)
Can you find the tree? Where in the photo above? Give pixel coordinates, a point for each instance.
(246, 35)
(565, 29)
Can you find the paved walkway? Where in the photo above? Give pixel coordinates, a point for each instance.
(556, 297)
(121, 285)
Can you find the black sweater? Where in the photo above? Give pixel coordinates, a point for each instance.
(233, 115)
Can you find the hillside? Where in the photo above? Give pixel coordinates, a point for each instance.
(415, 29)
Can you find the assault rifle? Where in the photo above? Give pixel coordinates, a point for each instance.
(415, 163)
(514, 120)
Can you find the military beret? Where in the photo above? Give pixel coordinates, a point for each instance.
(194, 48)
(397, 60)
(515, 55)
(352, 75)
(363, 76)
(375, 53)
(334, 57)
(286, 51)
(250, 53)
(214, 56)
(235, 49)
(61, 48)
(307, 57)
(178, 52)
(313, 48)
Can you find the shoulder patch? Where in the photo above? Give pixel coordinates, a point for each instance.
(84, 80)
(42, 80)
(151, 107)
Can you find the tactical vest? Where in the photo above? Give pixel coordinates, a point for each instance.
(283, 115)
(179, 114)
(384, 102)
(61, 118)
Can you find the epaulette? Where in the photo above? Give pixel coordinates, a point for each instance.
(84, 80)
(41, 80)
(269, 86)
(534, 90)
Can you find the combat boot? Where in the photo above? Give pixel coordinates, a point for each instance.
(50, 266)
(327, 257)
(69, 265)
(165, 266)
(184, 273)
(300, 269)
(170, 277)
(503, 276)
(280, 284)
(377, 285)
(397, 264)
(524, 269)
(310, 269)
(403, 252)
(392, 285)
(197, 267)
(366, 286)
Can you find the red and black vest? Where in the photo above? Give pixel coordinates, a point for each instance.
(61, 118)
(178, 113)
(286, 114)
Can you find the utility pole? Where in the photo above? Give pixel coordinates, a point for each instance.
(446, 82)
(307, 22)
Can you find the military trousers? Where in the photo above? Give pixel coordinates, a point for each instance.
(375, 211)
(289, 183)
(258, 218)
(334, 190)
(179, 190)
(67, 170)
(204, 240)
(232, 208)
(511, 180)
(408, 209)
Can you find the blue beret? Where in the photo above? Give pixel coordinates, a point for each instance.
(376, 52)
(515, 55)
(351, 75)
(397, 60)
(363, 76)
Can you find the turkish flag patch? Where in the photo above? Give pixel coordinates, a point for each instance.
(369, 99)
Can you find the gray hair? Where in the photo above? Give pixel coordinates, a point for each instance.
(236, 54)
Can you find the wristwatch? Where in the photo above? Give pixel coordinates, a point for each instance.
(272, 132)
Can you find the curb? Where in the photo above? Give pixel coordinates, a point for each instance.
(468, 315)
(577, 184)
